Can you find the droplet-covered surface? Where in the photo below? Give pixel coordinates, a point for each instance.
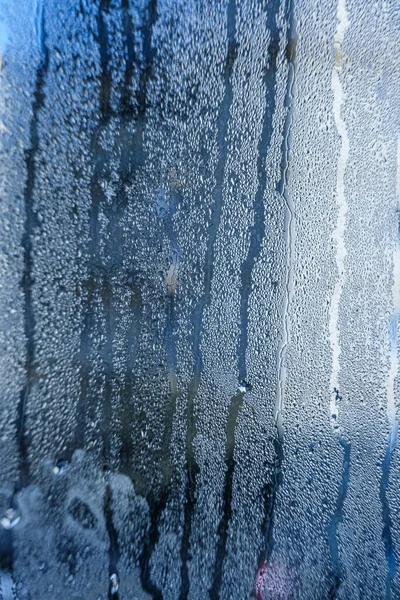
(199, 271)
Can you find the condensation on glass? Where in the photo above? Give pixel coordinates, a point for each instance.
(200, 297)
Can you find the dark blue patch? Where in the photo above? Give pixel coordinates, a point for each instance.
(386, 518)
(337, 517)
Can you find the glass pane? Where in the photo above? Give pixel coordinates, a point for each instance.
(200, 295)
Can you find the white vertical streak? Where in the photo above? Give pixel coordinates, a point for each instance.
(289, 282)
(393, 359)
(338, 233)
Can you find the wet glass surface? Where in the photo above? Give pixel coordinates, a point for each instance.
(200, 296)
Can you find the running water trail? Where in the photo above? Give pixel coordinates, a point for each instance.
(338, 237)
(339, 231)
(290, 241)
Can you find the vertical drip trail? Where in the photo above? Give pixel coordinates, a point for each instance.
(156, 507)
(223, 526)
(6, 552)
(30, 226)
(130, 162)
(131, 58)
(391, 403)
(28, 280)
(113, 550)
(171, 326)
(222, 135)
(105, 83)
(337, 518)
(271, 489)
(134, 106)
(91, 285)
(135, 160)
(190, 500)
(338, 233)
(257, 234)
(222, 128)
(141, 96)
(290, 238)
(114, 244)
(386, 518)
(334, 333)
(101, 282)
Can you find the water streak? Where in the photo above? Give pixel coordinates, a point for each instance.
(28, 278)
(334, 334)
(339, 231)
(256, 239)
(271, 489)
(222, 136)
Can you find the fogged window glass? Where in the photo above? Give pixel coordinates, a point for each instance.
(200, 299)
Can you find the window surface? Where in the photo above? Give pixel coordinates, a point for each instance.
(200, 296)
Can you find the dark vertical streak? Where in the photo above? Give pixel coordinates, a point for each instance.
(271, 489)
(27, 283)
(134, 160)
(135, 107)
(257, 232)
(31, 223)
(222, 134)
(113, 550)
(156, 506)
(386, 518)
(126, 114)
(6, 551)
(141, 97)
(270, 494)
(223, 119)
(223, 526)
(256, 237)
(190, 497)
(82, 359)
(337, 518)
(91, 285)
(127, 105)
(131, 160)
(128, 164)
(126, 97)
(99, 282)
(105, 82)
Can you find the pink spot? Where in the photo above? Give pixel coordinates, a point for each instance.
(260, 579)
(273, 581)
